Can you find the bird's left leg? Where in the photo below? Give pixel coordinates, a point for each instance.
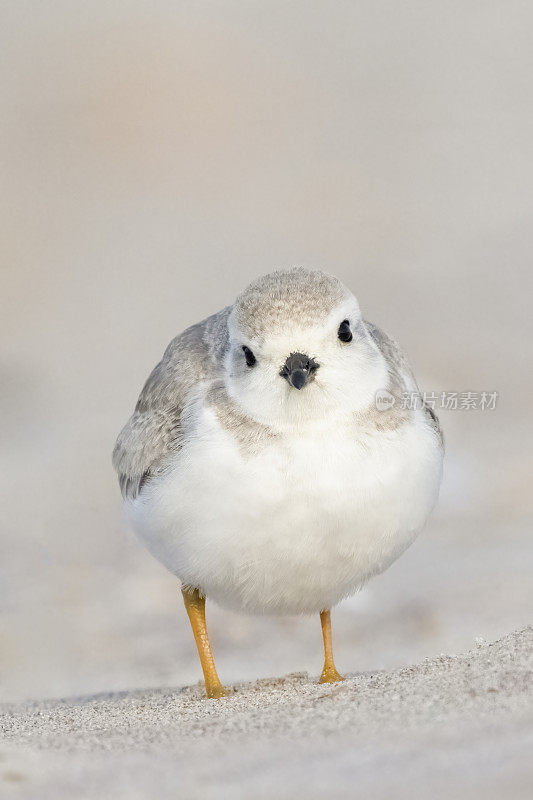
(329, 673)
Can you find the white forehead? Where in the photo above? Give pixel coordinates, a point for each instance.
(291, 303)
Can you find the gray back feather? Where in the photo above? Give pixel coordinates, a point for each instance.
(401, 375)
(155, 428)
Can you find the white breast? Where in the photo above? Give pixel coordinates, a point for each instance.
(296, 527)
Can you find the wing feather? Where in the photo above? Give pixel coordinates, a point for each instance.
(400, 371)
(156, 428)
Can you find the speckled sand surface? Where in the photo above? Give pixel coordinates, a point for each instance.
(449, 726)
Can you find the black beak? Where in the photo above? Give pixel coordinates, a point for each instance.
(299, 369)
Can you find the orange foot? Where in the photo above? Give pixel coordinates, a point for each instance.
(330, 675)
(215, 691)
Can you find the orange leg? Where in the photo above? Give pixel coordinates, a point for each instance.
(329, 673)
(195, 606)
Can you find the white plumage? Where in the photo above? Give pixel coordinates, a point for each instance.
(298, 526)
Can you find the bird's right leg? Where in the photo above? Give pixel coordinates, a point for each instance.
(195, 605)
(329, 673)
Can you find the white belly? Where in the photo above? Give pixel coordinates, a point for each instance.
(297, 527)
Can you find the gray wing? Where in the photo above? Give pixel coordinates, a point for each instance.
(402, 378)
(400, 371)
(155, 428)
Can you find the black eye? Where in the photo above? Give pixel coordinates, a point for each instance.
(344, 333)
(249, 356)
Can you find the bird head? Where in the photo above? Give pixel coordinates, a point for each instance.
(299, 350)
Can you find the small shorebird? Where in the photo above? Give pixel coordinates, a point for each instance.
(258, 465)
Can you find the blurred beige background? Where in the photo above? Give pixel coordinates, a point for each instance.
(155, 158)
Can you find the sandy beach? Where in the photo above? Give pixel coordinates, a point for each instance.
(449, 726)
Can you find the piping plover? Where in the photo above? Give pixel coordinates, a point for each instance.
(261, 465)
